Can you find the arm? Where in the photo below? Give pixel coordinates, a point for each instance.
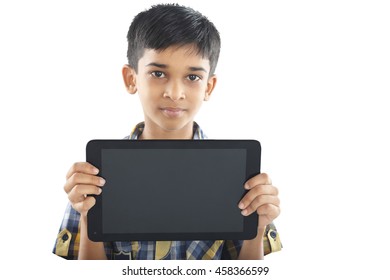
(253, 249)
(262, 197)
(89, 250)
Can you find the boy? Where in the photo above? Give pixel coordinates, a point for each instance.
(172, 55)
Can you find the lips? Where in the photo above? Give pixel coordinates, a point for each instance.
(172, 112)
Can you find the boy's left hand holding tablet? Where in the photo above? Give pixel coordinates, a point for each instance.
(262, 197)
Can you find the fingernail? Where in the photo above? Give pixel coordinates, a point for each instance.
(100, 190)
(246, 186)
(102, 181)
(243, 212)
(95, 171)
(241, 205)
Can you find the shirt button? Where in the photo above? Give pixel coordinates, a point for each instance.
(273, 234)
(65, 237)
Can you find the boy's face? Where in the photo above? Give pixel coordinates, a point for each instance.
(172, 85)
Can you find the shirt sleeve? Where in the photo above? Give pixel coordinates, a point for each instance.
(68, 238)
(271, 240)
(271, 243)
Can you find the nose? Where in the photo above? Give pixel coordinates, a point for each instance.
(175, 90)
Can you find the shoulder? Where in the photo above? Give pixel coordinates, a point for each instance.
(198, 132)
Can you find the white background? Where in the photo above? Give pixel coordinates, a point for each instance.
(308, 79)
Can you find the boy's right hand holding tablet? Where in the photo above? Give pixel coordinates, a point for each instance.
(81, 180)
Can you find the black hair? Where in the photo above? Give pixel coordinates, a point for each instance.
(167, 25)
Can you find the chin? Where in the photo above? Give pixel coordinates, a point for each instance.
(173, 125)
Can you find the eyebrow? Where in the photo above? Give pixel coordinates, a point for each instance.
(164, 66)
(197, 69)
(159, 65)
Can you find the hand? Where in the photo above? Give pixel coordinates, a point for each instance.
(263, 198)
(81, 181)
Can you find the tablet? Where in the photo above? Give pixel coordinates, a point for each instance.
(172, 189)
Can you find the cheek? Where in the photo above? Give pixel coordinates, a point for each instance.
(196, 99)
(196, 90)
(149, 92)
(148, 100)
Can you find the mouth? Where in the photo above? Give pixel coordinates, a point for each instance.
(172, 112)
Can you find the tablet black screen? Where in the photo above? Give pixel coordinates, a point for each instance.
(167, 190)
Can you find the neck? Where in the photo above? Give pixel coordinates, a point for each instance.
(153, 131)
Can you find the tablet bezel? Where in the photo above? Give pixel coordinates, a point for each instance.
(95, 222)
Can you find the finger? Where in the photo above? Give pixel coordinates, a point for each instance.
(257, 191)
(260, 179)
(84, 206)
(83, 179)
(258, 202)
(79, 192)
(82, 167)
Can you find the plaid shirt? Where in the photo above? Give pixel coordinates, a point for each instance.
(68, 238)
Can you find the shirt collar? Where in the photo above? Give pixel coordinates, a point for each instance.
(198, 133)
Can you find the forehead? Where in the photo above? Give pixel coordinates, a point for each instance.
(175, 56)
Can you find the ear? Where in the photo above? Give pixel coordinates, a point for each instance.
(212, 81)
(129, 77)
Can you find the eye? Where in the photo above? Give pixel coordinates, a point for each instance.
(193, 78)
(158, 74)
